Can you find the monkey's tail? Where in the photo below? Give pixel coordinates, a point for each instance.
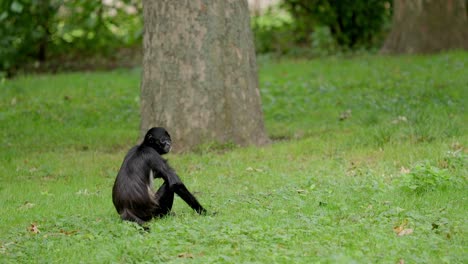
(127, 215)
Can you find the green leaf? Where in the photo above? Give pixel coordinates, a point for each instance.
(16, 7)
(3, 15)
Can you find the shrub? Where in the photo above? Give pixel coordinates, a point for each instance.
(322, 42)
(33, 31)
(353, 24)
(272, 31)
(425, 177)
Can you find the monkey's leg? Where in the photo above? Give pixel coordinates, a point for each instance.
(165, 198)
(129, 216)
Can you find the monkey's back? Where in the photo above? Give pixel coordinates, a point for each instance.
(132, 194)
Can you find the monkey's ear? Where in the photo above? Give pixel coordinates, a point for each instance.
(150, 139)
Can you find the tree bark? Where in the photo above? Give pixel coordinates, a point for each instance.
(199, 73)
(427, 26)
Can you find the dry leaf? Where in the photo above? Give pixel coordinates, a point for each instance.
(252, 169)
(401, 229)
(405, 170)
(4, 247)
(68, 233)
(400, 119)
(457, 146)
(345, 115)
(405, 232)
(397, 229)
(185, 255)
(27, 205)
(33, 228)
(84, 192)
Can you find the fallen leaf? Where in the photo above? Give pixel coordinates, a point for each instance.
(185, 255)
(33, 228)
(400, 119)
(401, 229)
(26, 205)
(404, 170)
(405, 232)
(68, 233)
(323, 204)
(457, 146)
(253, 169)
(84, 192)
(4, 247)
(345, 115)
(397, 229)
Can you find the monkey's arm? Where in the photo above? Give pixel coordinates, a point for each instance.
(175, 183)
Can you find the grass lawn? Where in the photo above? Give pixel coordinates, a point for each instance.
(368, 165)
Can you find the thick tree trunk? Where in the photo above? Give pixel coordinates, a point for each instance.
(199, 72)
(426, 26)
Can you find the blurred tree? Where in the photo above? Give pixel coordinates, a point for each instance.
(25, 30)
(424, 26)
(352, 23)
(199, 73)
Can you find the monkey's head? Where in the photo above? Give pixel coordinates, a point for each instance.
(159, 139)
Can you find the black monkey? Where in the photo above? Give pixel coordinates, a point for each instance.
(133, 194)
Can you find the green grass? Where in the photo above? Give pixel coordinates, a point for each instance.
(327, 190)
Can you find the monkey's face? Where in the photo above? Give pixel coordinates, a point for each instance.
(164, 145)
(159, 139)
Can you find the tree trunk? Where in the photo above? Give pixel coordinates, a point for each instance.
(199, 73)
(43, 20)
(426, 26)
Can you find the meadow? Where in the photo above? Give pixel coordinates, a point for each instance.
(368, 164)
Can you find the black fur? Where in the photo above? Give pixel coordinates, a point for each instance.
(133, 196)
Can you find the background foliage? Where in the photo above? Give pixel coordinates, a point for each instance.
(38, 30)
(352, 23)
(57, 35)
(321, 27)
